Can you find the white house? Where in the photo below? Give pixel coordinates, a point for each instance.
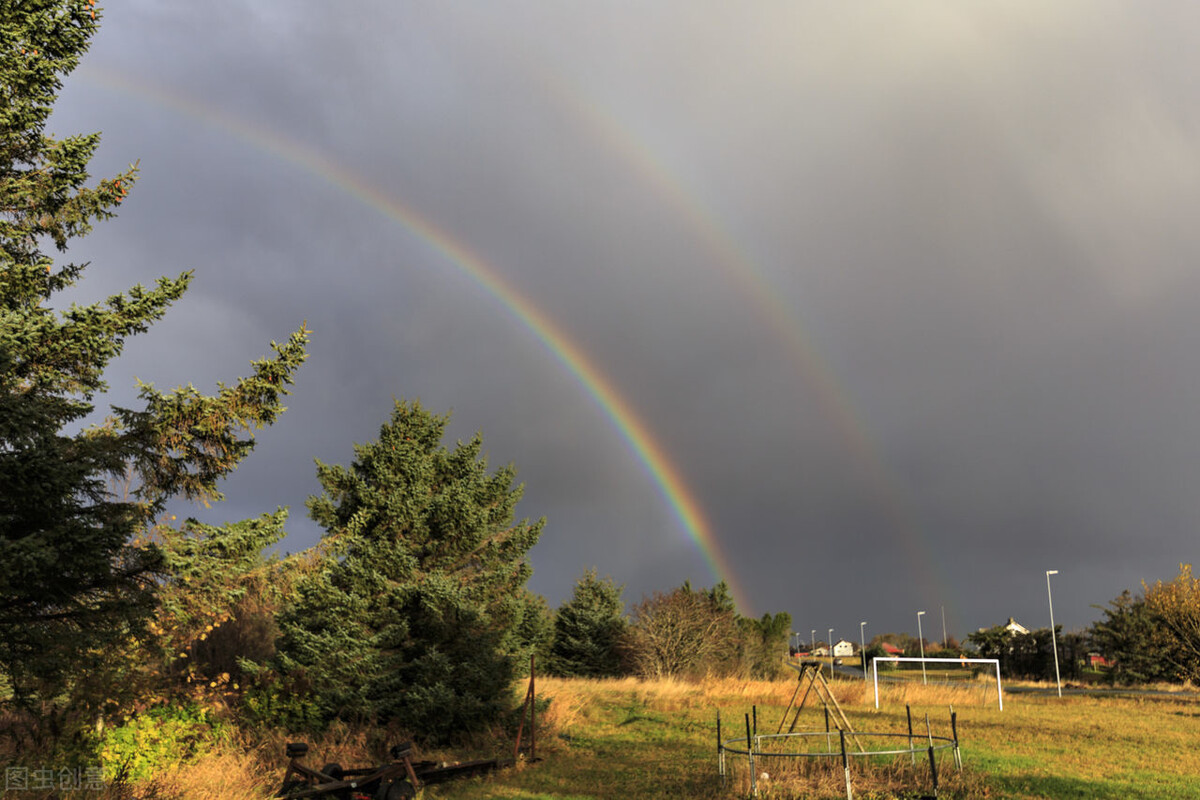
(1015, 627)
(843, 648)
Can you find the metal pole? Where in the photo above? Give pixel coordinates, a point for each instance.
(911, 750)
(813, 646)
(846, 765)
(862, 640)
(921, 642)
(875, 672)
(720, 750)
(954, 730)
(831, 653)
(932, 757)
(1053, 637)
(750, 758)
(944, 637)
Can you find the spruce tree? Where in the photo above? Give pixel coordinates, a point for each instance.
(588, 630)
(70, 583)
(413, 611)
(764, 642)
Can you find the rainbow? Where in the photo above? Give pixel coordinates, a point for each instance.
(833, 402)
(654, 459)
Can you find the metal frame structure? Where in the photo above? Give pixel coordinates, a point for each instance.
(754, 748)
(875, 669)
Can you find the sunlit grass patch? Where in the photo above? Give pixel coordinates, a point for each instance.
(629, 738)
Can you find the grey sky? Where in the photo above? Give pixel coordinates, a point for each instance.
(977, 218)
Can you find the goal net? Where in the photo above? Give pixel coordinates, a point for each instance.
(941, 671)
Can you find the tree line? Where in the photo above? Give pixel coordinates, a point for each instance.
(682, 633)
(1151, 636)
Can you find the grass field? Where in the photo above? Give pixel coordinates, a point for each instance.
(622, 739)
(604, 740)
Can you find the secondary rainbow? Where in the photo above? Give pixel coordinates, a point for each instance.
(679, 497)
(833, 402)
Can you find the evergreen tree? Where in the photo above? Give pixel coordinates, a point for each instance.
(765, 643)
(218, 594)
(533, 634)
(70, 583)
(410, 615)
(588, 630)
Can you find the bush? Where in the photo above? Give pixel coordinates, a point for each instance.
(156, 740)
(272, 702)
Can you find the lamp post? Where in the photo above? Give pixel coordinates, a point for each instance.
(831, 652)
(921, 642)
(1053, 637)
(813, 645)
(862, 640)
(944, 637)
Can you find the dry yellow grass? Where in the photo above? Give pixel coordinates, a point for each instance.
(623, 738)
(633, 738)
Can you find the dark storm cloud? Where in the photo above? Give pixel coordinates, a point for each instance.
(980, 217)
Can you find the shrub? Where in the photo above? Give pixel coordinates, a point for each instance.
(156, 740)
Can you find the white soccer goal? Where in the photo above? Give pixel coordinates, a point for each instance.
(995, 661)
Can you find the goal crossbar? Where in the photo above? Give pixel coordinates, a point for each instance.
(994, 661)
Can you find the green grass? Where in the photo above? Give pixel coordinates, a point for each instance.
(623, 739)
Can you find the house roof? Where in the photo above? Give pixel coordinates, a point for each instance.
(891, 648)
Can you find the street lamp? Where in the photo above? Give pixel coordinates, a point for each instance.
(862, 640)
(943, 627)
(921, 642)
(1053, 637)
(813, 645)
(831, 652)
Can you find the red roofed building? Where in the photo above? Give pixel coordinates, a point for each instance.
(891, 649)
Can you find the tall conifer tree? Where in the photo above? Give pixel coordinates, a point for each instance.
(588, 629)
(69, 579)
(414, 612)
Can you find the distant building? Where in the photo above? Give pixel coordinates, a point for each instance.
(843, 648)
(1015, 627)
(821, 651)
(891, 649)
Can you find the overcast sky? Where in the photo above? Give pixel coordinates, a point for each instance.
(905, 293)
